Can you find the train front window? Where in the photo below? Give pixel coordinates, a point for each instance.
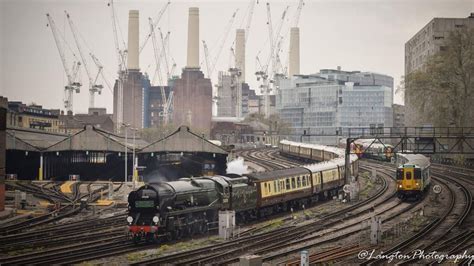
(399, 174)
(408, 175)
(417, 173)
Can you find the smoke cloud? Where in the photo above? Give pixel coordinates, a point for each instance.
(237, 166)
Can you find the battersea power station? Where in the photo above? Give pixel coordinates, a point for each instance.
(135, 100)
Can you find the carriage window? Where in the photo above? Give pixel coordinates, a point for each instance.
(304, 181)
(299, 181)
(293, 182)
(287, 184)
(275, 186)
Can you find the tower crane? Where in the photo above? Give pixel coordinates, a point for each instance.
(263, 73)
(164, 44)
(250, 8)
(295, 24)
(122, 67)
(206, 57)
(298, 13)
(211, 65)
(73, 85)
(156, 52)
(93, 86)
(153, 26)
(99, 66)
(166, 102)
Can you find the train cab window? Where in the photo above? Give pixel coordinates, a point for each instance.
(298, 181)
(293, 182)
(417, 173)
(408, 175)
(287, 184)
(399, 174)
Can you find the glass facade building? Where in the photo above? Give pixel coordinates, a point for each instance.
(330, 102)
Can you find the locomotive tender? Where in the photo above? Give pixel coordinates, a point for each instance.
(172, 210)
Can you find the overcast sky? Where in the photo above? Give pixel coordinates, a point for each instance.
(366, 35)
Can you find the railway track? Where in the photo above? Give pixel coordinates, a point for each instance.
(34, 245)
(260, 158)
(229, 253)
(439, 229)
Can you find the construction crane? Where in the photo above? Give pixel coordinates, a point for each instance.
(250, 9)
(73, 84)
(276, 39)
(211, 64)
(153, 26)
(122, 67)
(156, 52)
(164, 44)
(295, 24)
(100, 68)
(93, 86)
(206, 58)
(265, 73)
(298, 13)
(165, 102)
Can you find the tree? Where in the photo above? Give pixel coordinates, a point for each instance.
(442, 92)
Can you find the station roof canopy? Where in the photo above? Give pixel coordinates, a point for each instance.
(91, 139)
(31, 139)
(183, 140)
(94, 139)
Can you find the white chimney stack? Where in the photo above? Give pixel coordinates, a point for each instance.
(294, 52)
(193, 38)
(240, 52)
(133, 30)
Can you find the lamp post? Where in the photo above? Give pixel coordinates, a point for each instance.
(134, 174)
(126, 126)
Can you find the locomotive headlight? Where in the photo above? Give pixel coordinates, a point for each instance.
(417, 184)
(400, 186)
(129, 219)
(156, 219)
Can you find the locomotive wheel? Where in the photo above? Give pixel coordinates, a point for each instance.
(149, 238)
(203, 228)
(192, 230)
(177, 234)
(136, 239)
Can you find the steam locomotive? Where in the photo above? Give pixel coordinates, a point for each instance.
(172, 210)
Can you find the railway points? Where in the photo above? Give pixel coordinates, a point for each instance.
(324, 229)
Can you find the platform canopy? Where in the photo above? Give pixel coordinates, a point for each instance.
(90, 139)
(31, 139)
(183, 140)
